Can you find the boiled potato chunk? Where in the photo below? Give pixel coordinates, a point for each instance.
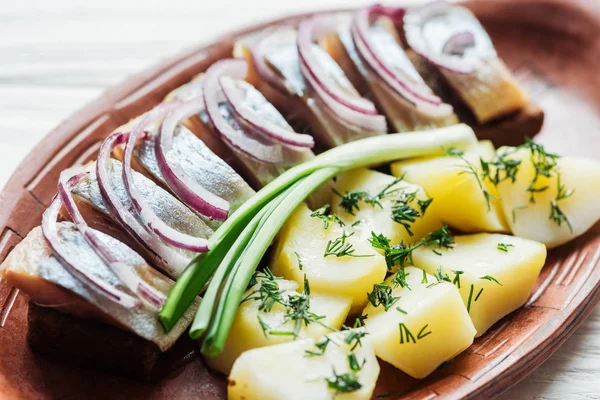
(458, 189)
(425, 327)
(374, 218)
(580, 180)
(498, 272)
(300, 251)
(247, 333)
(284, 371)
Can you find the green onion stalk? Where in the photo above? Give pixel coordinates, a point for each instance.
(239, 244)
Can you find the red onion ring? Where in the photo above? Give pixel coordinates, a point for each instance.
(50, 232)
(192, 193)
(458, 42)
(279, 130)
(174, 261)
(148, 216)
(67, 181)
(420, 97)
(415, 19)
(310, 30)
(237, 138)
(264, 71)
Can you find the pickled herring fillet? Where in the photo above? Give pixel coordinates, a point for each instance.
(168, 258)
(258, 173)
(32, 268)
(200, 163)
(451, 38)
(301, 103)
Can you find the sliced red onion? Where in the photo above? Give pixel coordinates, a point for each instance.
(192, 193)
(264, 71)
(442, 33)
(147, 215)
(50, 232)
(171, 258)
(457, 44)
(68, 180)
(416, 93)
(236, 137)
(310, 30)
(252, 107)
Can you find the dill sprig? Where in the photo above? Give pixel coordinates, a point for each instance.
(424, 280)
(468, 168)
(382, 296)
(405, 334)
(343, 383)
(268, 292)
(325, 215)
(350, 200)
(456, 280)
(556, 214)
(401, 254)
(298, 310)
(353, 337)
(300, 265)
(500, 168)
(339, 248)
(403, 213)
(491, 279)
(504, 246)
(470, 298)
(353, 363)
(399, 278)
(321, 346)
(422, 332)
(544, 164)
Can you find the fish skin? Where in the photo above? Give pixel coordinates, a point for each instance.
(202, 165)
(32, 261)
(168, 208)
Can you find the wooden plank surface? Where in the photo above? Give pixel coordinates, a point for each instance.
(57, 55)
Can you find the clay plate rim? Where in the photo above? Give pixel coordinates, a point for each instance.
(565, 294)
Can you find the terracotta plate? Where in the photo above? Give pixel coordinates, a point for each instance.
(553, 47)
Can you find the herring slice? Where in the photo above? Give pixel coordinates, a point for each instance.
(32, 268)
(172, 260)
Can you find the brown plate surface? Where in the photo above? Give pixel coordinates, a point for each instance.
(553, 47)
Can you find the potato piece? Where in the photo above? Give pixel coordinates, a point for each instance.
(581, 209)
(374, 218)
(425, 327)
(246, 332)
(285, 372)
(514, 262)
(458, 193)
(300, 251)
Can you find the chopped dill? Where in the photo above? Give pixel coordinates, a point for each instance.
(478, 294)
(504, 246)
(344, 383)
(470, 298)
(399, 278)
(327, 217)
(382, 296)
(339, 248)
(267, 293)
(452, 152)
(350, 201)
(456, 280)
(353, 337)
(544, 164)
(468, 168)
(321, 346)
(405, 334)
(556, 214)
(353, 363)
(401, 311)
(422, 334)
(500, 169)
(424, 280)
(491, 279)
(300, 265)
(263, 326)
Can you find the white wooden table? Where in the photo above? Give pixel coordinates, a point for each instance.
(56, 55)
